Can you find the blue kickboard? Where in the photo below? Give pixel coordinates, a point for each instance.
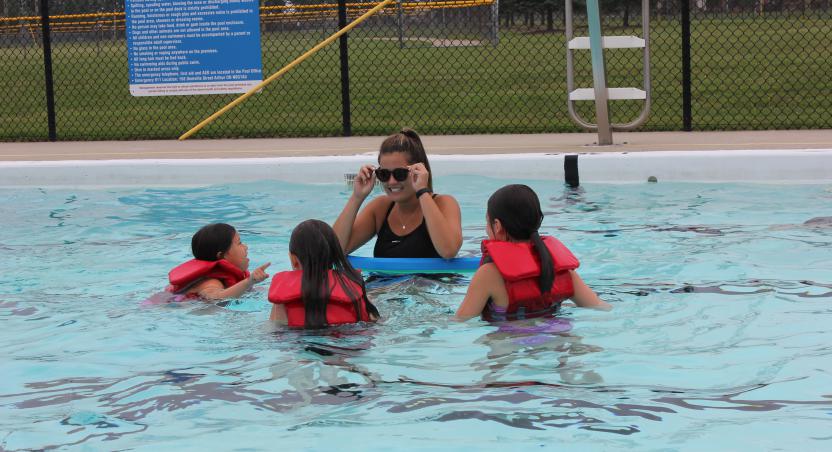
(399, 265)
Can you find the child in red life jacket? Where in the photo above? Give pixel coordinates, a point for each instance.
(323, 289)
(219, 268)
(521, 274)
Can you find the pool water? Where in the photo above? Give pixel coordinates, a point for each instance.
(719, 336)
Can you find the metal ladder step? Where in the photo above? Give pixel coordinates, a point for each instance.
(598, 44)
(609, 42)
(612, 94)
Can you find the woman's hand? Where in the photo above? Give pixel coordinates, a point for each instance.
(420, 176)
(364, 181)
(352, 229)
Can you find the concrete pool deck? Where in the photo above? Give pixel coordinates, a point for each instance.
(560, 143)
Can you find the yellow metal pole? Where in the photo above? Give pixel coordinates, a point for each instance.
(286, 69)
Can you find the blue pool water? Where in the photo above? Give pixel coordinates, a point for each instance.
(719, 335)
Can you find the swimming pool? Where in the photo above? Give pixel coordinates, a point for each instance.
(719, 334)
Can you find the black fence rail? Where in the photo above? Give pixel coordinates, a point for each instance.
(441, 66)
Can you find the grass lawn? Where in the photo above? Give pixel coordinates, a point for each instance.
(747, 74)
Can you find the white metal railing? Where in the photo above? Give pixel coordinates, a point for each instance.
(600, 93)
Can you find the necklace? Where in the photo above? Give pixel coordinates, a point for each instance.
(401, 218)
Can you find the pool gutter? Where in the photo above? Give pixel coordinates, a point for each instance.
(768, 166)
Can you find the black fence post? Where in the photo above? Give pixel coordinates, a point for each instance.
(687, 115)
(47, 69)
(346, 120)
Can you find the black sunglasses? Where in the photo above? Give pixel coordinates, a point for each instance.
(400, 174)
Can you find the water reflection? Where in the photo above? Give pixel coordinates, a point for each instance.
(801, 289)
(319, 366)
(535, 345)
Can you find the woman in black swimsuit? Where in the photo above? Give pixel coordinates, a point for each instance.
(410, 220)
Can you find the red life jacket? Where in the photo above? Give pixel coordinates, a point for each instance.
(286, 290)
(184, 276)
(519, 265)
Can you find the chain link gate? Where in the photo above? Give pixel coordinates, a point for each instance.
(440, 66)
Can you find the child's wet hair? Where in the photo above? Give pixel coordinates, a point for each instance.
(316, 246)
(518, 209)
(212, 240)
(407, 140)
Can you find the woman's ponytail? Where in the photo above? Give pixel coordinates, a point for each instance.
(547, 266)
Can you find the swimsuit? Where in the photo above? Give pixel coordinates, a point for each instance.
(415, 244)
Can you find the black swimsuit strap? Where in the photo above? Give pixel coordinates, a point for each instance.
(387, 215)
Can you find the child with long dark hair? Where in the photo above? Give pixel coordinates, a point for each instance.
(323, 289)
(219, 268)
(522, 274)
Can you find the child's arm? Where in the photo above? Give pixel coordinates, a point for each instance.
(586, 297)
(479, 291)
(278, 314)
(213, 289)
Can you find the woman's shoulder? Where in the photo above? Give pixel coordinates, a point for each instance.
(445, 200)
(379, 207)
(379, 203)
(376, 210)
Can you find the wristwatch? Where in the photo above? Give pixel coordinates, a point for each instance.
(421, 192)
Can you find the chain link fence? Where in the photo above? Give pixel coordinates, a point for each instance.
(440, 66)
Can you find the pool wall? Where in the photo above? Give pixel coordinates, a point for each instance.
(773, 166)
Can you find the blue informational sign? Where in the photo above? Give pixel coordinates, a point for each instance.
(178, 47)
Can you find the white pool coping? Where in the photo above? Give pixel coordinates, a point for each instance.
(768, 166)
